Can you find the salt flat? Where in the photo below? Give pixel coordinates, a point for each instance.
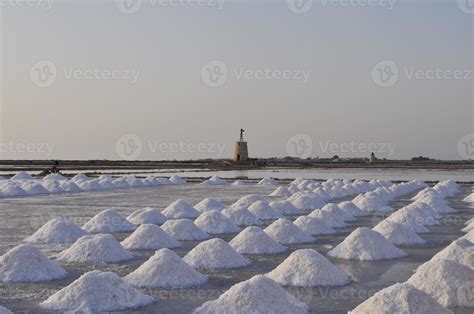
(21, 217)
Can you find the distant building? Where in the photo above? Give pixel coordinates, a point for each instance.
(241, 152)
(420, 158)
(372, 158)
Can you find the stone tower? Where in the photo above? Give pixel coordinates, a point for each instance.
(241, 152)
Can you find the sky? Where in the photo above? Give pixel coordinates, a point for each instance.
(178, 79)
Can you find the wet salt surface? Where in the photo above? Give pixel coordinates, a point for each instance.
(22, 217)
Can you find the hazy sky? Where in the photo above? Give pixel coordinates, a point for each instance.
(172, 79)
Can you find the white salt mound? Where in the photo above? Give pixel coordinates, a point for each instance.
(313, 226)
(208, 204)
(366, 245)
(57, 231)
(246, 201)
(256, 295)
(281, 191)
(180, 209)
(97, 292)
(285, 232)
(371, 203)
(352, 209)
(308, 268)
(461, 251)
(215, 180)
(253, 240)
(286, 208)
(108, 221)
(239, 183)
(4, 310)
(22, 176)
(337, 211)
(184, 230)
(214, 222)
(241, 216)
(262, 210)
(147, 215)
(25, 263)
(150, 237)
(469, 236)
(268, 181)
(469, 198)
(448, 282)
(69, 186)
(165, 269)
(398, 234)
(215, 254)
(469, 227)
(177, 180)
(306, 201)
(400, 298)
(331, 219)
(100, 248)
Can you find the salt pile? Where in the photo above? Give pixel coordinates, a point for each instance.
(352, 209)
(461, 251)
(398, 234)
(241, 217)
(100, 248)
(214, 222)
(469, 236)
(370, 202)
(208, 204)
(108, 221)
(215, 254)
(184, 230)
(306, 201)
(366, 245)
(331, 219)
(69, 186)
(469, 198)
(285, 208)
(147, 215)
(253, 240)
(308, 268)
(313, 226)
(435, 200)
(215, 180)
(165, 269)
(97, 292)
(13, 190)
(447, 188)
(4, 310)
(150, 237)
(445, 280)
(25, 263)
(256, 295)
(239, 183)
(286, 232)
(248, 200)
(79, 177)
(400, 298)
(177, 180)
(57, 231)
(268, 181)
(469, 227)
(262, 210)
(33, 188)
(180, 209)
(281, 191)
(333, 208)
(297, 181)
(22, 176)
(414, 218)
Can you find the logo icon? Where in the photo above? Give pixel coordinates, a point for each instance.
(466, 146)
(385, 74)
(299, 6)
(214, 74)
(129, 147)
(300, 146)
(43, 73)
(467, 6)
(129, 6)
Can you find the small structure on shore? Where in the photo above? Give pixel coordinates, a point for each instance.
(241, 152)
(372, 158)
